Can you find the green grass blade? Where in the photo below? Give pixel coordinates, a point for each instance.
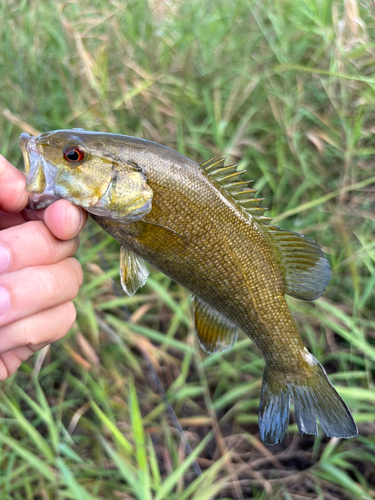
(30, 458)
(165, 489)
(119, 438)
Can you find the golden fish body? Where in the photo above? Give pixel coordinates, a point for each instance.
(201, 226)
(198, 237)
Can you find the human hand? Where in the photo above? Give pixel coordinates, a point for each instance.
(38, 276)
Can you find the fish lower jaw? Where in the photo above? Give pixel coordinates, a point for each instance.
(43, 200)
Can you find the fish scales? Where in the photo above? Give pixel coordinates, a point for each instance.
(185, 220)
(224, 258)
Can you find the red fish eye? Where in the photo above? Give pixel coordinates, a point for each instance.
(74, 154)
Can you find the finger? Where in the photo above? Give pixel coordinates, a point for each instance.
(34, 289)
(11, 361)
(64, 220)
(39, 329)
(10, 219)
(32, 245)
(21, 339)
(30, 214)
(13, 197)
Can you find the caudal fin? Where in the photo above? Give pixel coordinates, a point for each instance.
(314, 398)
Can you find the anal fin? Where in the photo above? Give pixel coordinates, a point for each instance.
(215, 332)
(133, 271)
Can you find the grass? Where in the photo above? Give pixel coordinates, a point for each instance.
(126, 407)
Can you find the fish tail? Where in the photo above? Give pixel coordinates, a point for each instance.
(314, 398)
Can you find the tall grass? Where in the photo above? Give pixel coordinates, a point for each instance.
(127, 407)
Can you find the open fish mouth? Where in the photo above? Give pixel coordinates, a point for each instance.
(40, 175)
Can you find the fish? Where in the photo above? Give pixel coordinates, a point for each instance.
(203, 226)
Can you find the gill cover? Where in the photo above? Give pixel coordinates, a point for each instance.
(77, 166)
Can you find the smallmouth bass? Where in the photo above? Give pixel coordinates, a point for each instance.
(202, 226)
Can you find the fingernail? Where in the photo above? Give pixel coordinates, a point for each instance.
(4, 300)
(75, 219)
(4, 259)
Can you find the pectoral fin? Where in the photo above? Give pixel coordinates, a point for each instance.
(215, 332)
(133, 271)
(158, 237)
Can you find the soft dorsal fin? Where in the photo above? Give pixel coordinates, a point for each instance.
(133, 271)
(215, 332)
(305, 270)
(229, 178)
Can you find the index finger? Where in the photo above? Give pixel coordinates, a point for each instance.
(13, 196)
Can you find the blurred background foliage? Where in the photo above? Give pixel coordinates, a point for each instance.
(127, 407)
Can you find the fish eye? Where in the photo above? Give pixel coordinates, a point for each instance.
(74, 154)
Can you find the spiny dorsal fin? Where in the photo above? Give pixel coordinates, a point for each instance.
(215, 332)
(212, 164)
(305, 270)
(133, 271)
(229, 178)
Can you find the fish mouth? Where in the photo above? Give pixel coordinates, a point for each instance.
(46, 184)
(40, 175)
